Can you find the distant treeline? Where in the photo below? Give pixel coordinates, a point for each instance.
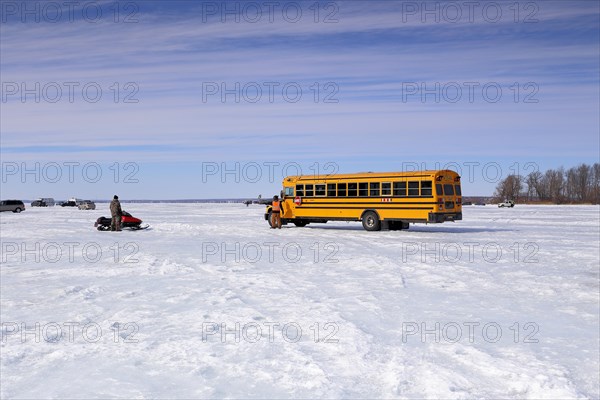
(575, 185)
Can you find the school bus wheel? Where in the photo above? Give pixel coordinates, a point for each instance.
(370, 221)
(270, 218)
(300, 224)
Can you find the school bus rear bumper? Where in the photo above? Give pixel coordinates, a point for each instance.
(442, 217)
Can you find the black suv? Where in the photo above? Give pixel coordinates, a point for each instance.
(15, 206)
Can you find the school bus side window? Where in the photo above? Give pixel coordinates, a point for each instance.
(289, 191)
(331, 190)
(309, 190)
(299, 190)
(352, 189)
(374, 189)
(386, 189)
(426, 188)
(319, 190)
(399, 188)
(413, 188)
(363, 189)
(341, 190)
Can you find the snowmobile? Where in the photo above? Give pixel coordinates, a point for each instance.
(127, 222)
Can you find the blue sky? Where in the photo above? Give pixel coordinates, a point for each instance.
(167, 64)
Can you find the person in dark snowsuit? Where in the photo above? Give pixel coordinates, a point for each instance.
(116, 213)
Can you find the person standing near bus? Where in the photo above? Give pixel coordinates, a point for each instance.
(116, 214)
(276, 211)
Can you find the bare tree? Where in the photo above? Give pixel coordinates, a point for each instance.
(534, 185)
(570, 184)
(510, 187)
(555, 182)
(595, 183)
(582, 183)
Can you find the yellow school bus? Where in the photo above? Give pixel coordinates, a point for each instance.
(381, 200)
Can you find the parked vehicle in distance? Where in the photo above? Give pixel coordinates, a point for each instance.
(69, 204)
(15, 206)
(43, 202)
(49, 201)
(87, 205)
(507, 203)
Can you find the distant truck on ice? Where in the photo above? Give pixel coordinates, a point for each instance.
(43, 202)
(507, 203)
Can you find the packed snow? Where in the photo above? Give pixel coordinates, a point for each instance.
(210, 302)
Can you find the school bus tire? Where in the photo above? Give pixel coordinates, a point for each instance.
(300, 223)
(370, 221)
(270, 219)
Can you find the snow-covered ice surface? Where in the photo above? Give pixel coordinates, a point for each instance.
(433, 312)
